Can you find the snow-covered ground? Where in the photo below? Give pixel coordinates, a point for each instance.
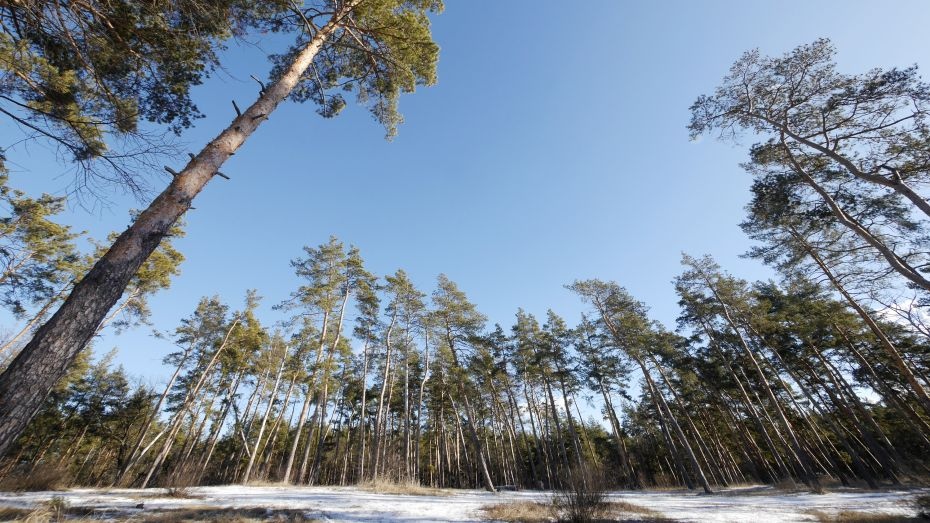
(754, 505)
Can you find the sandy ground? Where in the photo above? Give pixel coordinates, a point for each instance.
(755, 505)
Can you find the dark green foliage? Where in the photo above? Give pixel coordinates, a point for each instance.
(78, 71)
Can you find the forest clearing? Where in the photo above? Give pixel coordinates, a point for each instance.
(748, 504)
(631, 261)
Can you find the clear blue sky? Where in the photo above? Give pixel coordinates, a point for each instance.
(553, 148)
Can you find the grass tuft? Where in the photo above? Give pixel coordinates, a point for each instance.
(519, 512)
(229, 515)
(409, 488)
(626, 511)
(537, 512)
(853, 516)
(180, 493)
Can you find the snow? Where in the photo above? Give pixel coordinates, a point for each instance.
(756, 504)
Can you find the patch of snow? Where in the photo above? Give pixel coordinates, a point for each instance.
(757, 504)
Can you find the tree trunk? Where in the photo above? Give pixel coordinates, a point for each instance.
(628, 478)
(261, 430)
(379, 428)
(416, 438)
(35, 319)
(323, 396)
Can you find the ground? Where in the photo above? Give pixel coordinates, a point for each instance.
(752, 504)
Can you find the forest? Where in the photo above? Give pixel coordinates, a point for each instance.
(818, 376)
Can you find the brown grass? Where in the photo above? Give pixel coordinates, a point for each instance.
(852, 516)
(221, 515)
(537, 512)
(268, 483)
(55, 509)
(409, 488)
(13, 514)
(519, 512)
(180, 493)
(622, 510)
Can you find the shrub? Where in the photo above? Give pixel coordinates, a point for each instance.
(582, 496)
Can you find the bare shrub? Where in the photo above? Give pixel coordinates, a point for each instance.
(582, 496)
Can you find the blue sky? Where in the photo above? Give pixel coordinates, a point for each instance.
(553, 148)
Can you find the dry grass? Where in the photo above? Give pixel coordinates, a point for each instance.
(536, 512)
(43, 476)
(624, 509)
(409, 488)
(55, 509)
(268, 483)
(170, 492)
(519, 512)
(13, 514)
(852, 516)
(788, 485)
(180, 493)
(221, 515)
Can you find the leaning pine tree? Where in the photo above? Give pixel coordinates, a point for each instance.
(378, 48)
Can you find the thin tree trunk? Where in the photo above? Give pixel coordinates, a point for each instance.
(35, 319)
(420, 403)
(627, 475)
(378, 429)
(151, 419)
(261, 429)
(698, 471)
(323, 396)
(362, 411)
(308, 397)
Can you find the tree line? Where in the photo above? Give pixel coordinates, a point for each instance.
(760, 382)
